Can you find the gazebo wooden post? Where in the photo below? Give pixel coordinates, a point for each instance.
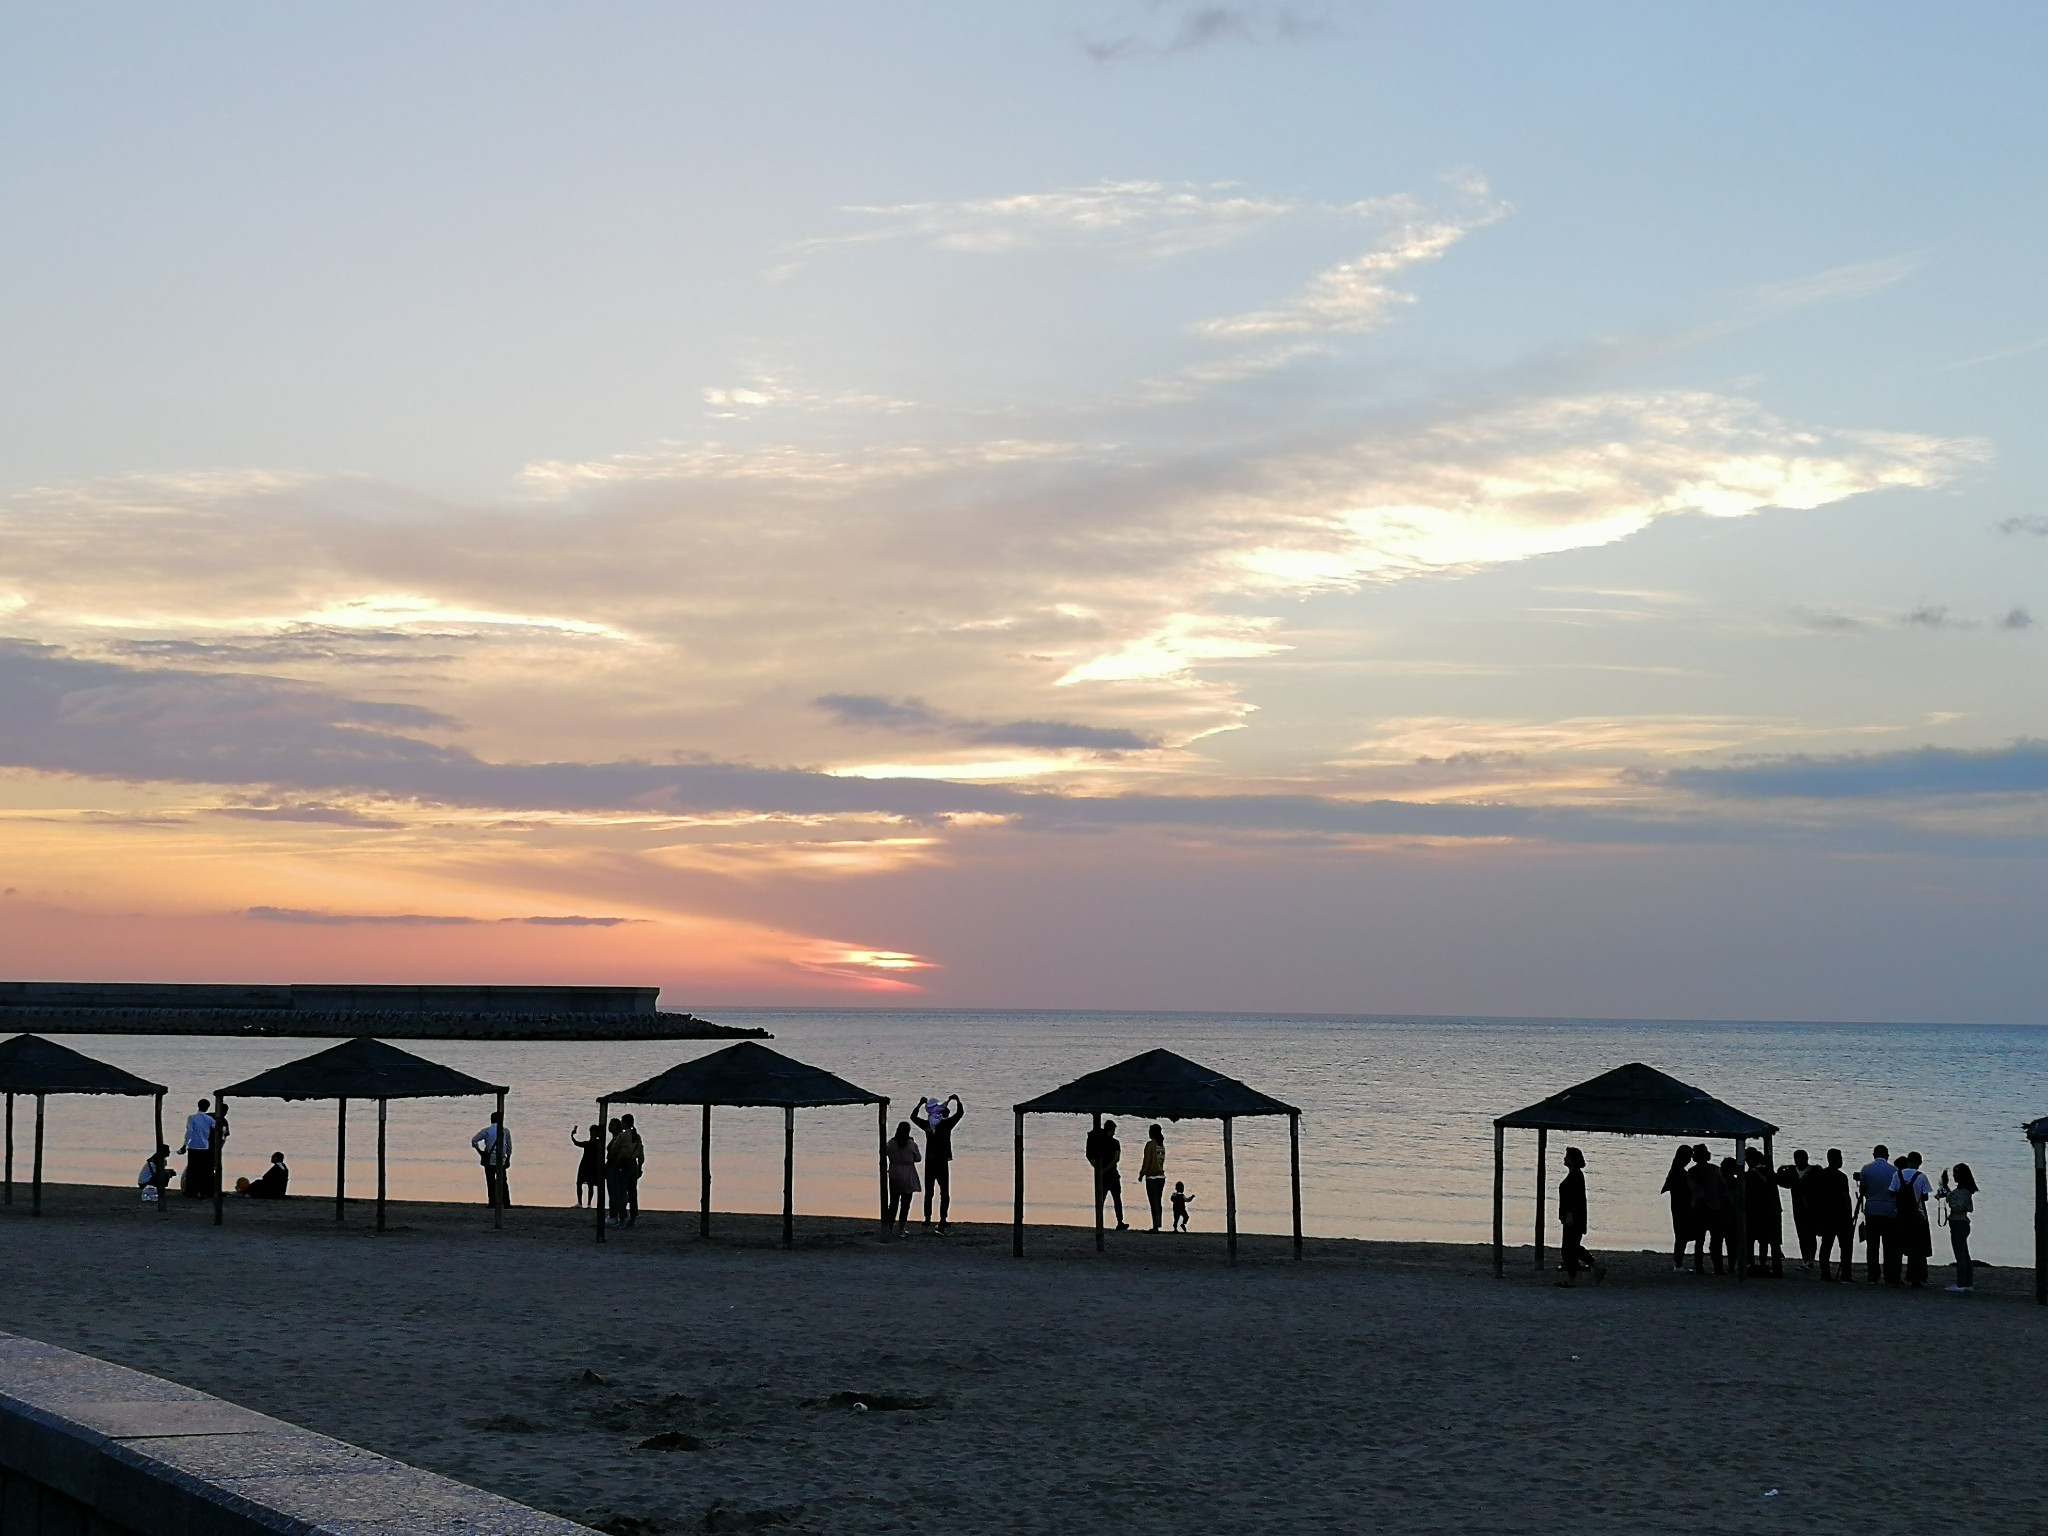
(1294, 1171)
(36, 1185)
(789, 1175)
(381, 1104)
(501, 1184)
(341, 1161)
(10, 1150)
(1096, 1174)
(213, 1156)
(604, 1131)
(2041, 1223)
(1500, 1179)
(882, 1133)
(1740, 1256)
(1017, 1213)
(704, 1179)
(1542, 1188)
(163, 1194)
(1230, 1189)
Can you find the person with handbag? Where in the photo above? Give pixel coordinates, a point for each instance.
(1910, 1194)
(1959, 1200)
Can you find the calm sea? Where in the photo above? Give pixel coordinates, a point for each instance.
(1396, 1130)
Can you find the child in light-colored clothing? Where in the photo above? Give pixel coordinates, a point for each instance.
(1181, 1201)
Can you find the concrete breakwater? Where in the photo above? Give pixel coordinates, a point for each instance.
(342, 1011)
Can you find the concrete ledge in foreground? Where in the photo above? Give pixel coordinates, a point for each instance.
(89, 1448)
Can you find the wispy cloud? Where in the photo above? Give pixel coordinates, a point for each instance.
(2018, 769)
(419, 919)
(915, 717)
(1162, 28)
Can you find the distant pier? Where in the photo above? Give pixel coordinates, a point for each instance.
(337, 1011)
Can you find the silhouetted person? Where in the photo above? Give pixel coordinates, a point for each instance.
(1961, 1200)
(938, 1152)
(1152, 1170)
(1763, 1218)
(1684, 1229)
(618, 1157)
(276, 1180)
(1571, 1216)
(154, 1180)
(1910, 1194)
(1104, 1153)
(903, 1160)
(1709, 1209)
(1181, 1201)
(630, 1172)
(1874, 1182)
(1834, 1215)
(200, 1163)
(493, 1144)
(1796, 1177)
(590, 1167)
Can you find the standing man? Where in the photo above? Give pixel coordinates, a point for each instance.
(1571, 1215)
(201, 1166)
(937, 1120)
(1153, 1171)
(1874, 1183)
(1104, 1153)
(1763, 1217)
(1910, 1194)
(1834, 1215)
(635, 1165)
(494, 1145)
(1709, 1209)
(1797, 1176)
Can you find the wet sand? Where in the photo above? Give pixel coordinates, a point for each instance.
(1384, 1387)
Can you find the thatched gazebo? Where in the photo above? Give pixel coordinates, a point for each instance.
(748, 1076)
(29, 1064)
(1159, 1085)
(1635, 1100)
(357, 1069)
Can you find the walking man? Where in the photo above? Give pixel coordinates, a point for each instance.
(1874, 1183)
(493, 1144)
(1153, 1171)
(1104, 1153)
(937, 1120)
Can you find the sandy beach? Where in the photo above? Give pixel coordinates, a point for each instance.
(1373, 1386)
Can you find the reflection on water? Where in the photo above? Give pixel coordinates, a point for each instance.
(1396, 1132)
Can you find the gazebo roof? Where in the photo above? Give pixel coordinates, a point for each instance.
(1638, 1100)
(2037, 1130)
(361, 1069)
(747, 1074)
(1156, 1085)
(31, 1064)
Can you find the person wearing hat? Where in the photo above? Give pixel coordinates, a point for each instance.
(1571, 1215)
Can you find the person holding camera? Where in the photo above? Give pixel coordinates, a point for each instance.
(1960, 1199)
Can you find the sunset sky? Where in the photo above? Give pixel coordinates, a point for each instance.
(1379, 507)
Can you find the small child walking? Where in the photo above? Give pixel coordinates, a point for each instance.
(1181, 1201)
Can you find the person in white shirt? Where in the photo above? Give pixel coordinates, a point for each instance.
(155, 1176)
(199, 1150)
(493, 1144)
(1961, 1200)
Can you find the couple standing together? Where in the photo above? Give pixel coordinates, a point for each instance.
(1105, 1154)
(936, 1119)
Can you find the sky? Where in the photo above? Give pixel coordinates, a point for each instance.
(1386, 507)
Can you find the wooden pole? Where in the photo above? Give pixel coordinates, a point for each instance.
(220, 1132)
(381, 1105)
(1230, 1189)
(882, 1130)
(10, 1149)
(1741, 1254)
(704, 1180)
(789, 1175)
(1096, 1174)
(1017, 1212)
(604, 1167)
(2041, 1223)
(501, 1186)
(1542, 1188)
(1500, 1182)
(163, 1195)
(1294, 1171)
(36, 1188)
(341, 1161)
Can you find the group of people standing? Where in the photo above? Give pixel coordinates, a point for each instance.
(1105, 1156)
(1720, 1207)
(615, 1157)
